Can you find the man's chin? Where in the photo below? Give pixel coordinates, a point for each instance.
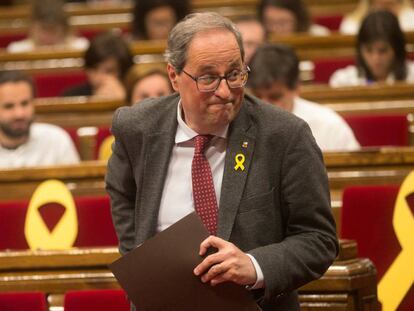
(16, 133)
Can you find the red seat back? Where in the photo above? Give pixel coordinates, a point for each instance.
(332, 22)
(102, 300)
(367, 217)
(103, 132)
(52, 84)
(324, 68)
(95, 227)
(23, 301)
(380, 130)
(7, 38)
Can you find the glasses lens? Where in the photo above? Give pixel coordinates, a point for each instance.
(237, 79)
(208, 83)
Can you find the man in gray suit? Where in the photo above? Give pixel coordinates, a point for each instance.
(275, 230)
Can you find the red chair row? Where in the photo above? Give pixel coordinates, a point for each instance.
(95, 227)
(103, 300)
(367, 216)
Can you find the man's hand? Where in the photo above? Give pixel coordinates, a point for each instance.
(229, 263)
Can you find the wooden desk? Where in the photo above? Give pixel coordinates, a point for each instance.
(349, 284)
(307, 47)
(380, 92)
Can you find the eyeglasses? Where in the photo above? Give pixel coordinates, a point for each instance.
(235, 79)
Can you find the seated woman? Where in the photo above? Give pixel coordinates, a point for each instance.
(147, 81)
(107, 61)
(48, 28)
(403, 9)
(381, 54)
(153, 19)
(285, 17)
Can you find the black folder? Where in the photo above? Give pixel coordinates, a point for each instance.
(158, 275)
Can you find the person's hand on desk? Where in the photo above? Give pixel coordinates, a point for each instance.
(228, 264)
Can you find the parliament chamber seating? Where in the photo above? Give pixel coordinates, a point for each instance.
(324, 68)
(380, 130)
(332, 22)
(23, 301)
(52, 84)
(369, 217)
(94, 222)
(102, 300)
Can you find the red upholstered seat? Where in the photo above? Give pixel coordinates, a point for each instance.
(52, 84)
(7, 38)
(103, 132)
(367, 214)
(72, 131)
(102, 300)
(332, 22)
(380, 130)
(23, 301)
(324, 68)
(95, 226)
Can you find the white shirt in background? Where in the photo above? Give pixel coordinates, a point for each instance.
(27, 45)
(348, 76)
(47, 145)
(330, 130)
(350, 25)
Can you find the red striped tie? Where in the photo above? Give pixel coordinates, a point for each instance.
(205, 201)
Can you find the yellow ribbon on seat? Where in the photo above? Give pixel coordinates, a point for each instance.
(64, 234)
(105, 150)
(399, 277)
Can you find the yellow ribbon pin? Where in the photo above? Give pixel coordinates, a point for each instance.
(65, 232)
(239, 158)
(399, 277)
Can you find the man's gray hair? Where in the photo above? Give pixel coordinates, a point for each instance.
(181, 35)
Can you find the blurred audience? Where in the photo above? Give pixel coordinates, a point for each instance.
(285, 17)
(107, 60)
(48, 28)
(144, 81)
(253, 35)
(22, 142)
(274, 78)
(153, 19)
(380, 54)
(403, 9)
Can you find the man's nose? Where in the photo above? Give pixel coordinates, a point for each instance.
(223, 90)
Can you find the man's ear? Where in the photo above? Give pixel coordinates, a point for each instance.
(172, 74)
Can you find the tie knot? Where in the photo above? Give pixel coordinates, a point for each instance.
(201, 142)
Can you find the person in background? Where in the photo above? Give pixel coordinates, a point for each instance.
(253, 173)
(107, 60)
(380, 54)
(274, 77)
(153, 19)
(286, 17)
(143, 81)
(253, 34)
(22, 142)
(403, 9)
(49, 28)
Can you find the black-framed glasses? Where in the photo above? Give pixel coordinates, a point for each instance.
(209, 83)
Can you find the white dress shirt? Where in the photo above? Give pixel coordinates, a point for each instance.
(177, 196)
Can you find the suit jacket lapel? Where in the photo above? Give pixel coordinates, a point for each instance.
(159, 146)
(241, 141)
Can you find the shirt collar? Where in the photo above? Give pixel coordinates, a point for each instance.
(185, 133)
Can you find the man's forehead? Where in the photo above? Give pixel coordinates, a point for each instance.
(214, 41)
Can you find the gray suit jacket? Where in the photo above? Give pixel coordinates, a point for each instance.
(277, 209)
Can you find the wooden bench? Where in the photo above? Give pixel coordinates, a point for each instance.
(19, 14)
(349, 284)
(365, 167)
(307, 47)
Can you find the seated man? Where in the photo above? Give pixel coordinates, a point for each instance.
(21, 142)
(274, 77)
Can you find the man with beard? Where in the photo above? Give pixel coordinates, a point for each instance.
(22, 142)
